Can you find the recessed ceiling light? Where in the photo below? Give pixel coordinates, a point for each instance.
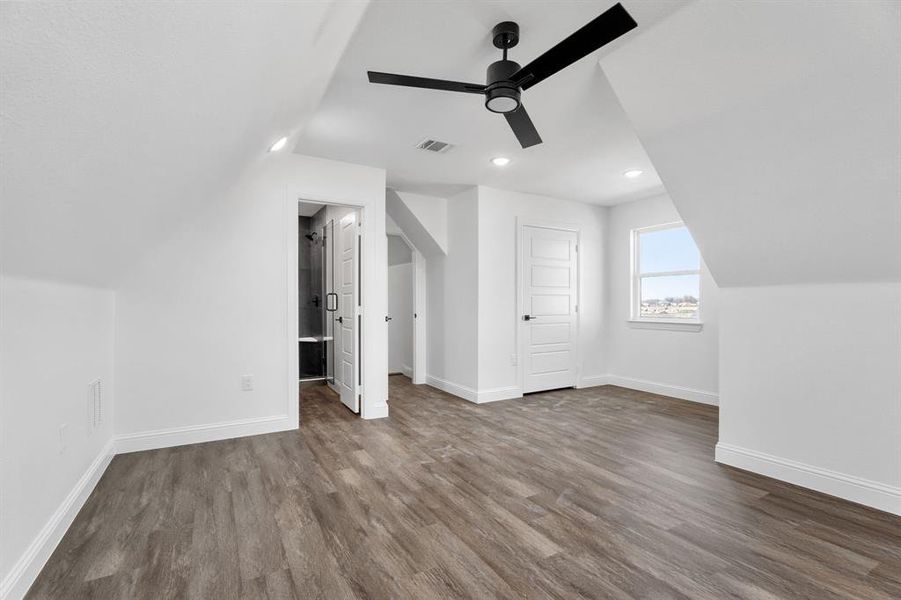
(500, 161)
(278, 145)
(633, 173)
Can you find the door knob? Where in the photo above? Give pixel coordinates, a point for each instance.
(387, 318)
(341, 320)
(528, 317)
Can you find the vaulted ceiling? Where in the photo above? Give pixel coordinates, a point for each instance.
(773, 125)
(588, 140)
(777, 130)
(119, 118)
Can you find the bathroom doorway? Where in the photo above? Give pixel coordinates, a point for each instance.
(329, 314)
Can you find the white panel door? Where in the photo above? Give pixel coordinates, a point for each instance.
(548, 298)
(347, 320)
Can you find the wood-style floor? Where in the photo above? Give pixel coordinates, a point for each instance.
(597, 493)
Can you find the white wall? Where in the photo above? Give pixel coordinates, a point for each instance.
(452, 300)
(677, 363)
(400, 328)
(811, 387)
(431, 212)
(788, 180)
(398, 251)
(54, 340)
(218, 300)
(498, 211)
(423, 220)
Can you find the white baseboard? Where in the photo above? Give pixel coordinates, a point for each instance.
(592, 381)
(407, 370)
(474, 396)
(23, 573)
(461, 391)
(502, 393)
(374, 412)
(674, 391)
(869, 493)
(195, 434)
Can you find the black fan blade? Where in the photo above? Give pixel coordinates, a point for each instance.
(611, 24)
(425, 82)
(522, 126)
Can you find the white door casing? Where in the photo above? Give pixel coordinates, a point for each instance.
(548, 307)
(347, 319)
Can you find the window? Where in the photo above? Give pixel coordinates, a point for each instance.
(666, 275)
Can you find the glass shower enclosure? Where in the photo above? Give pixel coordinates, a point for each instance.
(317, 298)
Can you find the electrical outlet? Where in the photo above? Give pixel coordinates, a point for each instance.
(246, 383)
(63, 437)
(514, 360)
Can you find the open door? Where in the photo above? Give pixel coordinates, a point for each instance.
(549, 284)
(347, 321)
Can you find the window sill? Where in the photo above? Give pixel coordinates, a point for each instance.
(693, 326)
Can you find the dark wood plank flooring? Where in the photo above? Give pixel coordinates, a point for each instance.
(595, 493)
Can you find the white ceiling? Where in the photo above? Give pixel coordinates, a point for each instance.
(588, 140)
(118, 119)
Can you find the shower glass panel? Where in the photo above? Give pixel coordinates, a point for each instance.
(316, 299)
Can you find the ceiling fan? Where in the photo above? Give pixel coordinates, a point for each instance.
(506, 79)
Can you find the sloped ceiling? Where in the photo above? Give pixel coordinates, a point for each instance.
(775, 128)
(118, 118)
(588, 141)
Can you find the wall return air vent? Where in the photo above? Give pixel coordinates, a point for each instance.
(434, 146)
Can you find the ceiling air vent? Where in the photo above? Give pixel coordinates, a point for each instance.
(434, 146)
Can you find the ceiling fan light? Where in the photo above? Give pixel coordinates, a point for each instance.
(502, 99)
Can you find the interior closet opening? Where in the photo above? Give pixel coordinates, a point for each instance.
(401, 307)
(329, 333)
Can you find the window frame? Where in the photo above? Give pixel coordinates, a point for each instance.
(635, 318)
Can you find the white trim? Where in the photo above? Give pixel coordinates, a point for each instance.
(863, 491)
(461, 391)
(420, 324)
(407, 371)
(197, 434)
(23, 573)
(475, 396)
(660, 227)
(665, 389)
(666, 325)
(669, 273)
(373, 361)
(501, 393)
(379, 411)
(506, 393)
(592, 381)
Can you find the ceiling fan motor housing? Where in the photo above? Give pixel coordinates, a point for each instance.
(501, 94)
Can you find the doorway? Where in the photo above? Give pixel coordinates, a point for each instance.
(407, 311)
(401, 315)
(548, 303)
(329, 311)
